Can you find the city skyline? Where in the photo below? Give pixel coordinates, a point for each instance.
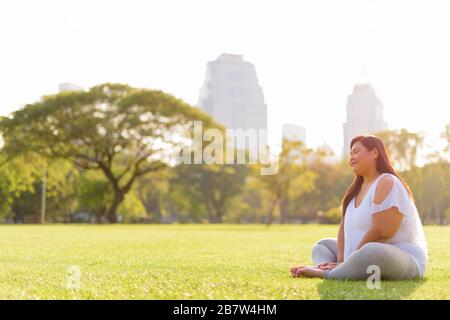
(308, 59)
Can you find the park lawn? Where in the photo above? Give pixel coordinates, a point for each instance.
(190, 262)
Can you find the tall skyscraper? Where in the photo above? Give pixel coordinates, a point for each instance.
(232, 95)
(364, 114)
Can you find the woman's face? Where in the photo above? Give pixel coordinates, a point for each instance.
(362, 160)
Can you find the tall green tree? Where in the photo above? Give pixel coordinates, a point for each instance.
(17, 177)
(122, 131)
(292, 179)
(213, 185)
(402, 146)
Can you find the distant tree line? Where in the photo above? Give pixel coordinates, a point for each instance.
(102, 155)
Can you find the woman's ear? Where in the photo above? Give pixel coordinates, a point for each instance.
(375, 153)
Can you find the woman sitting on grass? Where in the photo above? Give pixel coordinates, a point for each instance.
(379, 225)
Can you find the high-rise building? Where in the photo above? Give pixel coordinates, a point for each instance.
(364, 114)
(232, 95)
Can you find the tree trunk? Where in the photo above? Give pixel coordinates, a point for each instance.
(283, 211)
(112, 210)
(218, 215)
(270, 215)
(440, 215)
(217, 218)
(209, 208)
(218, 209)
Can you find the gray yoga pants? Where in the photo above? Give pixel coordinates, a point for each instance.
(393, 262)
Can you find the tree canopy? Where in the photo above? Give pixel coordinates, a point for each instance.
(125, 132)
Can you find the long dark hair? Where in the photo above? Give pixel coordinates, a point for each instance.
(383, 165)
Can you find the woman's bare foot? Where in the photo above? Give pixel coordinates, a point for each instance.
(294, 270)
(310, 272)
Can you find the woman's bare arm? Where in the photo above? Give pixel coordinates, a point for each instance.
(340, 241)
(384, 223)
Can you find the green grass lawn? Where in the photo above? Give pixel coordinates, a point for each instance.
(190, 262)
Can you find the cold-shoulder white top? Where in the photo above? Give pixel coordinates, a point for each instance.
(409, 237)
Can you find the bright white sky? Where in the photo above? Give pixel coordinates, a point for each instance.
(308, 54)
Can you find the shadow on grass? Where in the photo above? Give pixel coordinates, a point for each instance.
(357, 290)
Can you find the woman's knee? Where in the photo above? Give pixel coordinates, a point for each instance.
(325, 250)
(318, 248)
(327, 242)
(371, 249)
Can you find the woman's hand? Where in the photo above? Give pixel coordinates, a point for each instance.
(328, 265)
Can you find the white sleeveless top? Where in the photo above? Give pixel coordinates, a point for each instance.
(409, 237)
